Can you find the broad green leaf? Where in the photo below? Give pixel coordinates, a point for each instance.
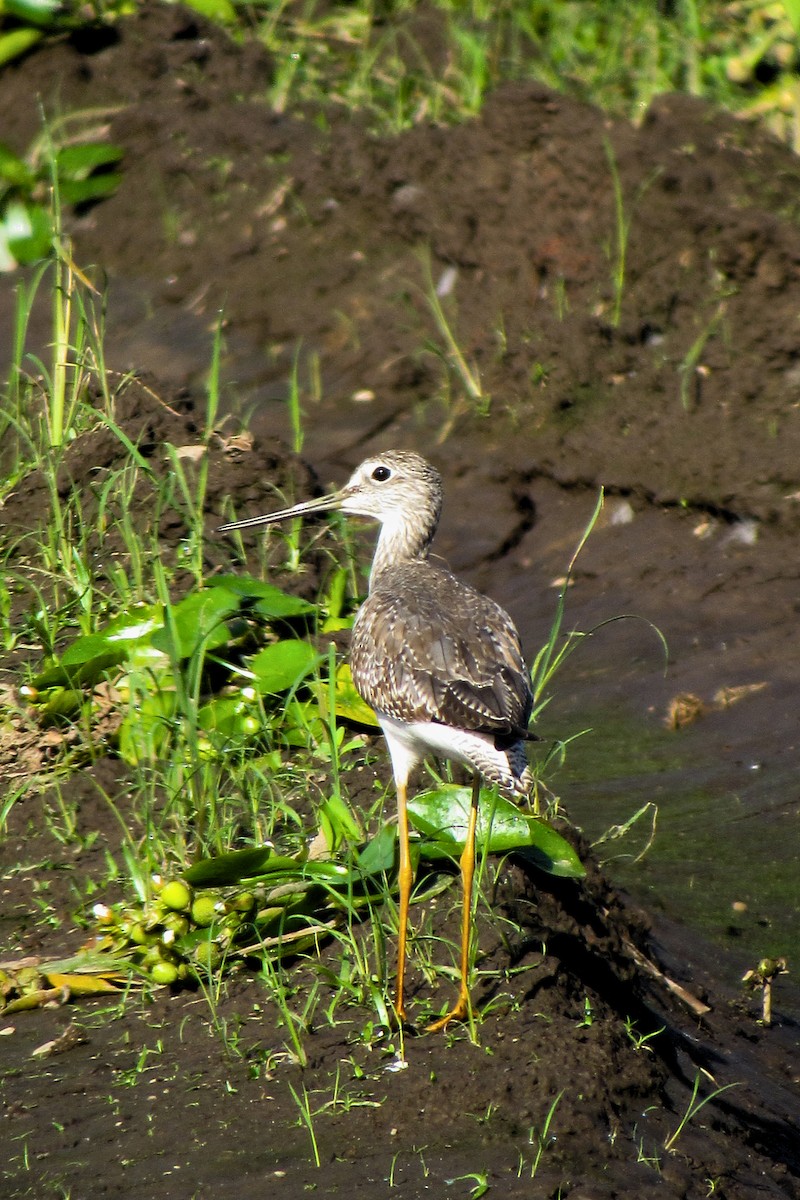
(78, 162)
(39, 12)
(79, 674)
(144, 657)
(59, 704)
(84, 661)
(88, 648)
(552, 853)
(333, 874)
(135, 625)
(231, 868)
(198, 619)
(792, 8)
(378, 855)
(27, 231)
(262, 863)
(301, 723)
(271, 602)
(282, 665)
(17, 43)
(441, 815)
(96, 187)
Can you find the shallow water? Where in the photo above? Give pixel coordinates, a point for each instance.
(718, 855)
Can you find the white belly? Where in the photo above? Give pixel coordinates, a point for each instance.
(409, 743)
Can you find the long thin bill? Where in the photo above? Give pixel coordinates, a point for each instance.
(323, 504)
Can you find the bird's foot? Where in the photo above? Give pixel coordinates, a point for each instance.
(459, 1012)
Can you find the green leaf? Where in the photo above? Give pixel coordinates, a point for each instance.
(26, 231)
(96, 187)
(337, 591)
(282, 665)
(59, 704)
(348, 704)
(132, 627)
(792, 8)
(233, 717)
(230, 868)
(38, 12)
(88, 648)
(145, 732)
(18, 42)
(338, 823)
(262, 863)
(271, 602)
(141, 638)
(15, 170)
(197, 620)
(378, 855)
(85, 660)
(78, 162)
(216, 10)
(441, 815)
(78, 674)
(552, 853)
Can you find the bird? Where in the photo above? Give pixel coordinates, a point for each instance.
(440, 664)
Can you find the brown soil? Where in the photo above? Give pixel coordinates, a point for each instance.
(308, 232)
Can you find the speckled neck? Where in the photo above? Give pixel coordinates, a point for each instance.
(402, 540)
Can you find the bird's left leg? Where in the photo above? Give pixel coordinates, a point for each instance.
(461, 1008)
(405, 880)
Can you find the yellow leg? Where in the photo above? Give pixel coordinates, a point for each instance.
(405, 880)
(460, 1009)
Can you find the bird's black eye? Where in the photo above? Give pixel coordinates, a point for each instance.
(381, 474)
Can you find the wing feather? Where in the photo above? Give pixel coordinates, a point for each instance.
(427, 647)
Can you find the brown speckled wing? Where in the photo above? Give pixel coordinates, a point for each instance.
(427, 647)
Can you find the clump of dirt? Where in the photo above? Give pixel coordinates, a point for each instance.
(648, 348)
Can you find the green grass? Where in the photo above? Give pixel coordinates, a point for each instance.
(405, 62)
(401, 62)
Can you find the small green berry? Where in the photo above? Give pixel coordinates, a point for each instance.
(204, 910)
(164, 972)
(176, 895)
(207, 955)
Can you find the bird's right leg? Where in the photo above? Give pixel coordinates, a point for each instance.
(405, 880)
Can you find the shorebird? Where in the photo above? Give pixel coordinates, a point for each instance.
(440, 664)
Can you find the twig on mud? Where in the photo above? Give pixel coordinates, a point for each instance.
(698, 1007)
